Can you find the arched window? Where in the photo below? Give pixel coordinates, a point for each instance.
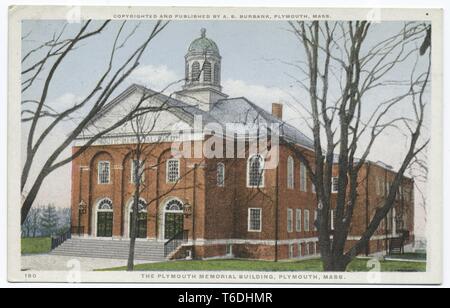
(105, 205)
(217, 73)
(207, 71)
(290, 172)
(255, 168)
(174, 206)
(142, 206)
(195, 71)
(220, 175)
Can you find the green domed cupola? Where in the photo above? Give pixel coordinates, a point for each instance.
(203, 45)
(202, 73)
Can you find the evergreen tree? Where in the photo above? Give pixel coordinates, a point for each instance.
(49, 220)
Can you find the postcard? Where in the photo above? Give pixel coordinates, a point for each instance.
(225, 145)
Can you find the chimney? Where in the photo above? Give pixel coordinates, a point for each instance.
(277, 110)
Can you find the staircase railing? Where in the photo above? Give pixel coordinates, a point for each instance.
(176, 241)
(58, 240)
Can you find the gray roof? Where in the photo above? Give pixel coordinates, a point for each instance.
(227, 111)
(241, 110)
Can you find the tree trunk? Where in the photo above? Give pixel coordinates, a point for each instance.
(336, 263)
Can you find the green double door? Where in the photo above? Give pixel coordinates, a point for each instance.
(104, 224)
(173, 225)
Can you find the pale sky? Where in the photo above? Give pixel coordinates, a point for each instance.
(253, 65)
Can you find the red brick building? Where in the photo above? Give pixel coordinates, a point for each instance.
(222, 207)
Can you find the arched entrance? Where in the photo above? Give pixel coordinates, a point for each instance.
(173, 218)
(104, 218)
(142, 219)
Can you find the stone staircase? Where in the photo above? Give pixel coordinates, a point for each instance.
(110, 249)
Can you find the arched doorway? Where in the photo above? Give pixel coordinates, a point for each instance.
(142, 219)
(173, 218)
(104, 217)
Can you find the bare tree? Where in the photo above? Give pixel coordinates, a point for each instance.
(41, 64)
(343, 66)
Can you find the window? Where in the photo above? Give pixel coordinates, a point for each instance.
(334, 185)
(217, 73)
(229, 250)
(291, 251)
(290, 173)
(195, 71)
(254, 220)
(137, 165)
(290, 218)
(255, 171)
(313, 188)
(306, 222)
(220, 175)
(104, 175)
(173, 170)
(298, 220)
(207, 71)
(303, 180)
(186, 73)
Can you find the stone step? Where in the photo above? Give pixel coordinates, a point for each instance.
(111, 249)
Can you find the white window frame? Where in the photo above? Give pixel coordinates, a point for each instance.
(99, 173)
(167, 170)
(220, 168)
(303, 178)
(291, 251)
(313, 188)
(290, 221)
(229, 250)
(298, 220)
(333, 190)
(290, 173)
(262, 181)
(306, 220)
(249, 224)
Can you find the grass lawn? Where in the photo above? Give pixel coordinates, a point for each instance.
(410, 256)
(36, 245)
(314, 265)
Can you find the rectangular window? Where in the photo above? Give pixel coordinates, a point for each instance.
(140, 172)
(306, 220)
(104, 172)
(254, 220)
(220, 175)
(377, 186)
(229, 250)
(291, 251)
(313, 188)
(303, 178)
(289, 220)
(173, 170)
(298, 220)
(334, 185)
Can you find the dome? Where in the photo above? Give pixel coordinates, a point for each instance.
(203, 44)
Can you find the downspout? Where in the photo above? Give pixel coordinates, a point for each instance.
(277, 204)
(194, 201)
(367, 206)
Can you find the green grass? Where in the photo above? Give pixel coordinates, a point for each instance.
(314, 265)
(36, 245)
(410, 256)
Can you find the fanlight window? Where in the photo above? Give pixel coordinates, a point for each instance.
(142, 205)
(256, 171)
(174, 206)
(105, 205)
(195, 71)
(207, 71)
